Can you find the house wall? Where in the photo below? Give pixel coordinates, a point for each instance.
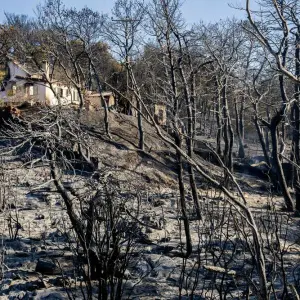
(42, 92)
(15, 71)
(16, 92)
(93, 102)
(160, 114)
(47, 96)
(52, 100)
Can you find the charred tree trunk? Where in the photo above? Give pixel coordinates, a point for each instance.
(262, 141)
(171, 75)
(260, 132)
(190, 150)
(140, 126)
(277, 164)
(267, 133)
(136, 93)
(106, 123)
(228, 132)
(84, 238)
(189, 95)
(275, 122)
(185, 218)
(219, 122)
(192, 109)
(239, 117)
(296, 125)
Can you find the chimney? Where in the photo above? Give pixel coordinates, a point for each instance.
(46, 69)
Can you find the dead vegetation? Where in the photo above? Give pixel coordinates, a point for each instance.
(100, 205)
(130, 239)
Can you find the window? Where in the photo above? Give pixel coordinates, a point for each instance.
(75, 95)
(67, 93)
(60, 92)
(35, 90)
(30, 90)
(161, 115)
(14, 89)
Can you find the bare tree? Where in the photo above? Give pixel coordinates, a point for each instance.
(104, 232)
(226, 55)
(164, 16)
(87, 28)
(277, 42)
(59, 44)
(123, 32)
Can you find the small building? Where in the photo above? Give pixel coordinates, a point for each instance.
(160, 114)
(94, 102)
(26, 83)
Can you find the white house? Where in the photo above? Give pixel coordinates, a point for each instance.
(26, 83)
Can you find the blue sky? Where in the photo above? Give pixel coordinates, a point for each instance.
(193, 10)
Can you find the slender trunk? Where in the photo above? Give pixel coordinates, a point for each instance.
(189, 95)
(192, 106)
(225, 120)
(190, 149)
(228, 132)
(201, 117)
(239, 130)
(260, 133)
(279, 117)
(170, 71)
(106, 123)
(282, 132)
(185, 219)
(278, 168)
(262, 141)
(140, 126)
(212, 122)
(204, 115)
(75, 221)
(209, 119)
(219, 122)
(296, 124)
(84, 239)
(242, 119)
(136, 92)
